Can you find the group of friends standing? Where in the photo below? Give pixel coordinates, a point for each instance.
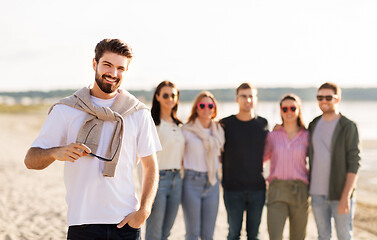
(242, 143)
(101, 131)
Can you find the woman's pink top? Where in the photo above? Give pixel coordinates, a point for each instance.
(287, 157)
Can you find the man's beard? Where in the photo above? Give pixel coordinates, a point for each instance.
(104, 86)
(328, 109)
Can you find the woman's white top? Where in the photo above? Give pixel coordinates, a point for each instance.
(173, 145)
(195, 154)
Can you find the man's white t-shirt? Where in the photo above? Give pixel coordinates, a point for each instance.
(91, 197)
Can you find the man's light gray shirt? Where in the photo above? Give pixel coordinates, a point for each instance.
(320, 174)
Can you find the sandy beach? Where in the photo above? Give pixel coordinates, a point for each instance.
(32, 203)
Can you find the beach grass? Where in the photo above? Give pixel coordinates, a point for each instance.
(20, 108)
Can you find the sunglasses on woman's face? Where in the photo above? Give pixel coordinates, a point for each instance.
(202, 105)
(166, 96)
(285, 109)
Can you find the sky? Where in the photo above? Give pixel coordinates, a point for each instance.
(197, 44)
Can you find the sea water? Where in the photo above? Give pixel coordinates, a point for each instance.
(363, 113)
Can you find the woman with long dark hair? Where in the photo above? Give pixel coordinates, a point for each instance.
(287, 149)
(165, 207)
(204, 142)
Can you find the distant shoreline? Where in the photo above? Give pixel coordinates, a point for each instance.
(187, 95)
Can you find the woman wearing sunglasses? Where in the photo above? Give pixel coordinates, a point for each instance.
(204, 141)
(168, 198)
(287, 149)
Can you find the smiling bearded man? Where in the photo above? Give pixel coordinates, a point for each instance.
(99, 133)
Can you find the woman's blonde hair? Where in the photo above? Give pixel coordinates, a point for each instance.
(194, 108)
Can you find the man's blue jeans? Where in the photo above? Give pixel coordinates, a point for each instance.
(324, 210)
(165, 206)
(103, 232)
(200, 204)
(236, 202)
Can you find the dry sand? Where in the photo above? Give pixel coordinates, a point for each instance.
(32, 203)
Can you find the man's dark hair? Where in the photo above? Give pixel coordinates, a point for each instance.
(115, 46)
(245, 86)
(331, 86)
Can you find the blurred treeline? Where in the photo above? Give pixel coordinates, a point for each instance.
(223, 95)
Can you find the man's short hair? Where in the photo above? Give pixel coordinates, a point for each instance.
(332, 86)
(246, 86)
(115, 46)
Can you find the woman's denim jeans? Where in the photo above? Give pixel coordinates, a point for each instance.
(323, 210)
(200, 203)
(165, 206)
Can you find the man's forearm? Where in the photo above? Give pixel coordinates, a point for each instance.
(38, 158)
(148, 192)
(344, 202)
(150, 183)
(349, 185)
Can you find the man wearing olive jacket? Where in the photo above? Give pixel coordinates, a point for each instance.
(334, 160)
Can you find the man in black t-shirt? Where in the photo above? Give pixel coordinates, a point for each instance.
(242, 161)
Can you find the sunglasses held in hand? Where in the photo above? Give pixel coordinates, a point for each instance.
(99, 157)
